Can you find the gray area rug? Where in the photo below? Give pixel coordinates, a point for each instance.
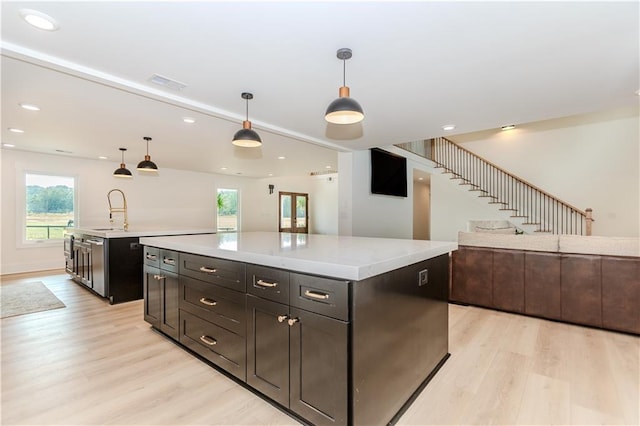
(26, 298)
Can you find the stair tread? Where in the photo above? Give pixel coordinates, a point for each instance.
(530, 223)
(517, 215)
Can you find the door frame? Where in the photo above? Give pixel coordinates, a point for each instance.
(293, 229)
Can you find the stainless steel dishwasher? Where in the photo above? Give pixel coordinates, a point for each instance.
(97, 265)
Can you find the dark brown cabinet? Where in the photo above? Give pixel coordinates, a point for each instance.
(508, 280)
(300, 358)
(581, 292)
(473, 276)
(621, 294)
(160, 287)
(542, 289)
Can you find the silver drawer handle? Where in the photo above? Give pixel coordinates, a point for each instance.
(159, 277)
(208, 340)
(316, 295)
(169, 261)
(208, 302)
(152, 256)
(208, 270)
(292, 321)
(282, 318)
(266, 284)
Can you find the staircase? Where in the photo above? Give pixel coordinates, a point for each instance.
(534, 208)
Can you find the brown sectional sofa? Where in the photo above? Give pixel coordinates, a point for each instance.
(592, 281)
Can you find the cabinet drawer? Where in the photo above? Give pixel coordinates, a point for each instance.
(321, 295)
(222, 347)
(169, 260)
(151, 256)
(268, 283)
(226, 273)
(215, 304)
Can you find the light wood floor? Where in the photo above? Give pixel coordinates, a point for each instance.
(92, 363)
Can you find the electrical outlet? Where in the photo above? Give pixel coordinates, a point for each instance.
(423, 277)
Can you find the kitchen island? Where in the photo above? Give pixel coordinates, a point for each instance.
(108, 260)
(331, 329)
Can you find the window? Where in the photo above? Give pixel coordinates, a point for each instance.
(227, 210)
(49, 206)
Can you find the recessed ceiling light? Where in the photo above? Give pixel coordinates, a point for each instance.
(8, 145)
(282, 157)
(420, 178)
(327, 167)
(14, 130)
(30, 107)
(270, 174)
(448, 127)
(39, 20)
(638, 92)
(223, 168)
(102, 157)
(189, 120)
(508, 127)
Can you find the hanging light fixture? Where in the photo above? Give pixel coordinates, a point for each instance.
(344, 110)
(123, 172)
(246, 137)
(147, 165)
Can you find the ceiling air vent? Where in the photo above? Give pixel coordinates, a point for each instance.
(167, 82)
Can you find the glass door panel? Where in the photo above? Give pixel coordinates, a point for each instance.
(293, 212)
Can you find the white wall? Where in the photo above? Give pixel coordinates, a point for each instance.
(367, 214)
(175, 199)
(421, 210)
(591, 160)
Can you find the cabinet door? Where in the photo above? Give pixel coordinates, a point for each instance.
(268, 348)
(508, 280)
(472, 276)
(621, 293)
(152, 295)
(542, 284)
(319, 368)
(169, 321)
(580, 277)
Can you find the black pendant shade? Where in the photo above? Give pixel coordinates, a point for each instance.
(344, 110)
(122, 172)
(147, 165)
(247, 137)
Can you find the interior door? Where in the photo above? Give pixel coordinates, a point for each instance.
(293, 212)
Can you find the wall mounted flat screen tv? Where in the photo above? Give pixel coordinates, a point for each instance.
(388, 173)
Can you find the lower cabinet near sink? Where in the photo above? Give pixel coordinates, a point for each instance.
(291, 336)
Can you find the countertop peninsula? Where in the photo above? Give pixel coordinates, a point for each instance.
(346, 257)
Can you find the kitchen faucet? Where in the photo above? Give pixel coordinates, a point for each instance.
(122, 209)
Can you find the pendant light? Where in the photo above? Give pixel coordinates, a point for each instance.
(122, 172)
(147, 165)
(246, 137)
(344, 110)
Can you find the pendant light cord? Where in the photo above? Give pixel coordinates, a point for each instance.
(344, 72)
(247, 111)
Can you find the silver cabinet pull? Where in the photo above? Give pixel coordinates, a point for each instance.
(267, 284)
(159, 277)
(292, 321)
(169, 261)
(208, 340)
(316, 295)
(282, 318)
(208, 270)
(208, 302)
(151, 256)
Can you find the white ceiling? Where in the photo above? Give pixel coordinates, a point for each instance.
(416, 66)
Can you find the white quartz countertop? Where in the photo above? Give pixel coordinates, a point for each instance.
(352, 258)
(107, 232)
